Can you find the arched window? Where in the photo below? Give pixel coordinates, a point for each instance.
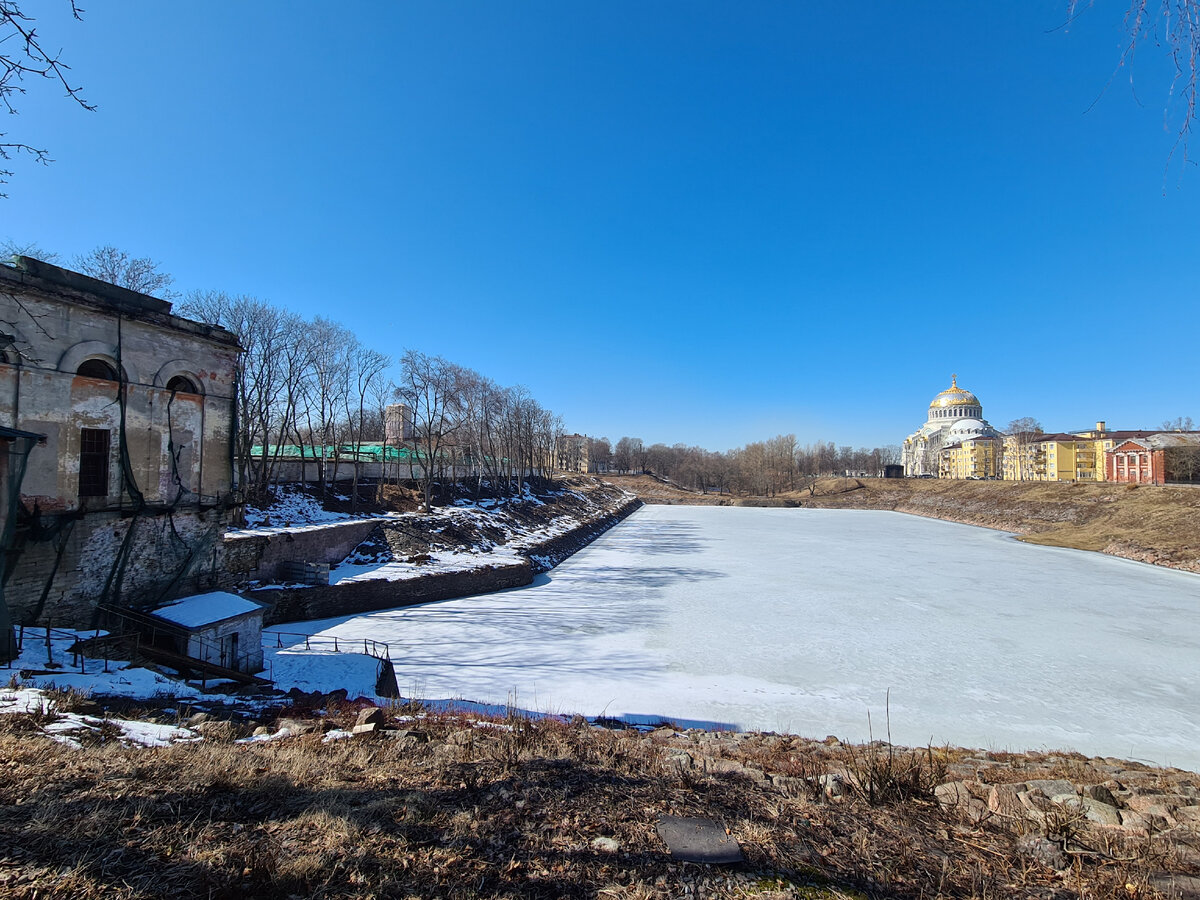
(181, 385)
(97, 368)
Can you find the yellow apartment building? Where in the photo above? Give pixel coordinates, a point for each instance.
(976, 458)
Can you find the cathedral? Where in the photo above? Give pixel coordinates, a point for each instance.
(955, 421)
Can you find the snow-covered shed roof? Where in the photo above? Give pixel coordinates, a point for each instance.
(205, 609)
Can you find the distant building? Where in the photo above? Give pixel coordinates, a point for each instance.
(955, 416)
(1161, 458)
(974, 458)
(126, 500)
(573, 453)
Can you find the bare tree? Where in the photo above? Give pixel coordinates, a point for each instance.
(430, 387)
(1022, 435)
(367, 366)
(1173, 25)
(10, 248)
(117, 267)
(1181, 423)
(23, 55)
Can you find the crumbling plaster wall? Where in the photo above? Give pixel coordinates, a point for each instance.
(178, 445)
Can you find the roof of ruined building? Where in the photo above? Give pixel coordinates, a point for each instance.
(207, 609)
(76, 286)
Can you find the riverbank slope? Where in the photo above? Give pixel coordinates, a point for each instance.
(352, 801)
(1148, 523)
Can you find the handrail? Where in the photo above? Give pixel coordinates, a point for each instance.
(210, 652)
(340, 645)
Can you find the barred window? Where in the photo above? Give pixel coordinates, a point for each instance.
(93, 462)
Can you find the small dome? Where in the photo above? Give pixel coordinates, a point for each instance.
(954, 396)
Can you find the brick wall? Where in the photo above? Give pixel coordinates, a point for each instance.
(160, 546)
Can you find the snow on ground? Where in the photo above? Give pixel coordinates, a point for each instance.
(807, 621)
(294, 510)
(69, 728)
(486, 553)
(323, 671)
(58, 667)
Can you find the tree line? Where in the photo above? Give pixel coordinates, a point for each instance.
(312, 384)
(763, 468)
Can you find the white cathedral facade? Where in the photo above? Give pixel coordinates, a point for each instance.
(955, 415)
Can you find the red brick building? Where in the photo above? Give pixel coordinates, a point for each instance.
(1155, 459)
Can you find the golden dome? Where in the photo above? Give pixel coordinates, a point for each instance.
(954, 396)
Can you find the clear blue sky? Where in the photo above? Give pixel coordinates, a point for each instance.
(685, 221)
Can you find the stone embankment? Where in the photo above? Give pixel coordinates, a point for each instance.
(1056, 805)
(415, 537)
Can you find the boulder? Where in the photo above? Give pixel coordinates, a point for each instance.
(952, 795)
(371, 715)
(366, 728)
(1051, 786)
(1003, 800)
(1101, 793)
(1092, 810)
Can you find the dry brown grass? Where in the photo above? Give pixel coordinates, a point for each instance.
(503, 809)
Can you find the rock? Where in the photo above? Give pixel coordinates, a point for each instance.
(1092, 810)
(1136, 821)
(263, 731)
(1037, 848)
(698, 840)
(605, 845)
(1003, 800)
(1052, 786)
(1101, 793)
(680, 760)
(366, 728)
(372, 715)
(952, 795)
(1188, 815)
(409, 735)
(833, 784)
(297, 726)
(198, 718)
(1035, 803)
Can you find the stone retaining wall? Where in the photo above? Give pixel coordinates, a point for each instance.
(261, 556)
(324, 601)
(555, 550)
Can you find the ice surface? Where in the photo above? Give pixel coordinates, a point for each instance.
(804, 620)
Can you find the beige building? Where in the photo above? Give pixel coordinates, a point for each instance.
(125, 501)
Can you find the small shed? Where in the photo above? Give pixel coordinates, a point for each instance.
(223, 629)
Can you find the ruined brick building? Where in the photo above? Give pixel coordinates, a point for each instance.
(125, 500)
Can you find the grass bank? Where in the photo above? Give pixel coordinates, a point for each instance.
(444, 806)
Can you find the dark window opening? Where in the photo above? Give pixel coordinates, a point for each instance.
(181, 385)
(93, 462)
(97, 368)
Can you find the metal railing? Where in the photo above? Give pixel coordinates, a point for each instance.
(149, 628)
(78, 647)
(378, 649)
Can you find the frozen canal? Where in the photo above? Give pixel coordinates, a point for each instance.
(804, 620)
